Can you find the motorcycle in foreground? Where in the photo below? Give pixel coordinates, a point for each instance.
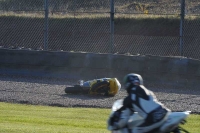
(171, 125)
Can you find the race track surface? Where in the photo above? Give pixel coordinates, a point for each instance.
(50, 92)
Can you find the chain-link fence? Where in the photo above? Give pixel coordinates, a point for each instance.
(155, 27)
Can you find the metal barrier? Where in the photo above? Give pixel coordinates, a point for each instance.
(145, 27)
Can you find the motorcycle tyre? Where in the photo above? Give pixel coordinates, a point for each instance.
(77, 90)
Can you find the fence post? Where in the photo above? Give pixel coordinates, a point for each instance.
(111, 25)
(46, 24)
(181, 25)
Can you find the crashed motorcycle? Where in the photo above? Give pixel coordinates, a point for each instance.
(103, 86)
(84, 87)
(171, 125)
(77, 89)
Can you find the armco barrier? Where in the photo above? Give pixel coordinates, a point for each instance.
(70, 65)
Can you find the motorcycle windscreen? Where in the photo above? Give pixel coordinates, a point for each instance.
(117, 105)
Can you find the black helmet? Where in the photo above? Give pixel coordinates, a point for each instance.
(131, 80)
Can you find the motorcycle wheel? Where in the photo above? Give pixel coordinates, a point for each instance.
(176, 130)
(76, 89)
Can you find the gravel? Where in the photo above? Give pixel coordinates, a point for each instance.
(50, 92)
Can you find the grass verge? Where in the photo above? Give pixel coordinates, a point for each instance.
(17, 118)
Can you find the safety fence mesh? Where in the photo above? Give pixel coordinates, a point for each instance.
(139, 27)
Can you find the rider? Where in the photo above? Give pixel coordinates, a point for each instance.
(142, 101)
(105, 86)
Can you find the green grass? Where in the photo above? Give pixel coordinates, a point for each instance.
(193, 124)
(17, 118)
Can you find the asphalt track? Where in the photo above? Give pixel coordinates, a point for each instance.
(50, 92)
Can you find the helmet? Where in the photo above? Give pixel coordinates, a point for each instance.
(131, 80)
(115, 86)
